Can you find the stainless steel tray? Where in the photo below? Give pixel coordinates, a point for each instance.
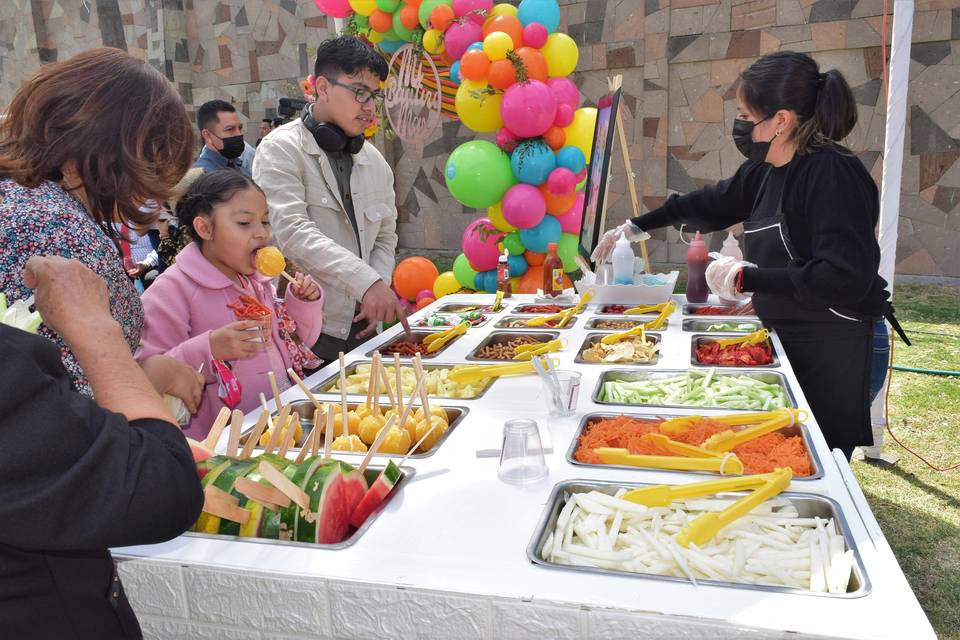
(697, 340)
(695, 325)
(796, 430)
(371, 474)
(419, 324)
(593, 338)
(688, 310)
(504, 324)
(633, 320)
(767, 376)
(501, 337)
(807, 505)
(418, 335)
(304, 409)
(326, 386)
(610, 308)
(463, 307)
(521, 308)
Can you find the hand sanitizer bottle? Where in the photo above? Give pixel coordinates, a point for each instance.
(623, 262)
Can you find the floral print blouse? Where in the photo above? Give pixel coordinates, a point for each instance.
(48, 221)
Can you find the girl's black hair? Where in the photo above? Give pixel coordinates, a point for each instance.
(824, 104)
(206, 192)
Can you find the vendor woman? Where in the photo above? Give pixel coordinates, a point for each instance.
(808, 208)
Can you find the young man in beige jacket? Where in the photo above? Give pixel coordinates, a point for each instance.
(331, 196)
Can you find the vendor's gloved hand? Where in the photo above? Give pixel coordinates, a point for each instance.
(608, 241)
(722, 274)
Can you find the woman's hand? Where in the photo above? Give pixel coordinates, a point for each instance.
(304, 288)
(169, 375)
(238, 340)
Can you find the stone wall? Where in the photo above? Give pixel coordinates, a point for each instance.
(678, 59)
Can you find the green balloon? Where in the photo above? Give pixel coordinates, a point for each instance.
(426, 7)
(391, 36)
(513, 243)
(582, 185)
(463, 272)
(400, 30)
(362, 22)
(389, 6)
(567, 249)
(478, 173)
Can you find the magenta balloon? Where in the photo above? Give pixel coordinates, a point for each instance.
(565, 114)
(506, 140)
(528, 108)
(480, 244)
(565, 91)
(523, 206)
(334, 8)
(535, 35)
(463, 7)
(572, 220)
(459, 36)
(425, 293)
(561, 181)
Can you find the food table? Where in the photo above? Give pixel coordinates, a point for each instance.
(448, 555)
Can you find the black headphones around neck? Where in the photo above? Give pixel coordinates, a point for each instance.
(329, 136)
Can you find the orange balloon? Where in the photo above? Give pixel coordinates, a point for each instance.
(409, 17)
(508, 24)
(557, 205)
(532, 279)
(474, 65)
(441, 16)
(533, 258)
(555, 137)
(445, 58)
(413, 275)
(381, 21)
(534, 62)
(424, 302)
(501, 74)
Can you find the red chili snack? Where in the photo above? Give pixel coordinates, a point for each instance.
(716, 311)
(542, 308)
(735, 355)
(405, 348)
(249, 308)
(614, 308)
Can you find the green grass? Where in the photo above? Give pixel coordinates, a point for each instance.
(919, 508)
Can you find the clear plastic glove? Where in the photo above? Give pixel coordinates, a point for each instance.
(608, 241)
(721, 276)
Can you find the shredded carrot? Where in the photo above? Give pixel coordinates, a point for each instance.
(760, 455)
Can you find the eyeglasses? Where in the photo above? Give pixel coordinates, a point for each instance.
(361, 94)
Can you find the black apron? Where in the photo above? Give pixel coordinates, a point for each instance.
(830, 349)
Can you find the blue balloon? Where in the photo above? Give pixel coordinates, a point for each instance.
(455, 72)
(546, 12)
(571, 158)
(391, 46)
(532, 161)
(518, 265)
(475, 45)
(478, 281)
(489, 280)
(537, 238)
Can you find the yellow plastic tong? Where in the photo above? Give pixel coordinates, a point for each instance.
(691, 451)
(728, 463)
(528, 351)
(658, 322)
(706, 525)
(436, 341)
(680, 424)
(472, 373)
(539, 321)
(614, 338)
(727, 440)
(662, 495)
(645, 308)
(756, 337)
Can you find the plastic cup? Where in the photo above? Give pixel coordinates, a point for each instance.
(521, 458)
(261, 333)
(564, 403)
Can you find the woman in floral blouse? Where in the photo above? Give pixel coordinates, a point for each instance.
(85, 142)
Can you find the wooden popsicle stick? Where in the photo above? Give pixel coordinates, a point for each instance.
(399, 377)
(262, 493)
(254, 436)
(303, 387)
(266, 408)
(210, 442)
(372, 451)
(281, 482)
(291, 432)
(273, 387)
(386, 384)
(343, 399)
(370, 383)
(418, 365)
(216, 504)
(236, 424)
(276, 433)
(328, 434)
(310, 442)
(375, 376)
(220, 494)
(289, 277)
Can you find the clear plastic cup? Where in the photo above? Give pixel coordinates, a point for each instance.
(563, 403)
(521, 458)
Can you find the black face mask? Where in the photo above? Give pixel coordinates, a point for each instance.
(743, 138)
(232, 147)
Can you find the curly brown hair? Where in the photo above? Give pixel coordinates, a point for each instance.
(111, 118)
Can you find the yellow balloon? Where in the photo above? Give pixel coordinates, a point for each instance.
(504, 9)
(515, 284)
(580, 132)
(479, 106)
(363, 7)
(445, 284)
(374, 36)
(496, 45)
(495, 213)
(433, 41)
(561, 54)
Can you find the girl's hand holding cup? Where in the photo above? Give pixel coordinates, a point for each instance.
(238, 340)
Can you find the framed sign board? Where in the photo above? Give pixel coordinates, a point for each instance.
(594, 211)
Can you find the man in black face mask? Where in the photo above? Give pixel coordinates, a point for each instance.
(223, 143)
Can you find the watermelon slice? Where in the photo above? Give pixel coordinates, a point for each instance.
(222, 477)
(199, 450)
(356, 487)
(206, 466)
(376, 494)
(325, 485)
(243, 468)
(300, 475)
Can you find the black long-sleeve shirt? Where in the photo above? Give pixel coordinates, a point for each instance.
(76, 479)
(831, 207)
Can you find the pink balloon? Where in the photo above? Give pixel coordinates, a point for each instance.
(535, 35)
(459, 36)
(463, 7)
(565, 115)
(523, 206)
(334, 8)
(565, 91)
(506, 140)
(582, 175)
(561, 181)
(480, 244)
(528, 108)
(572, 220)
(425, 293)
